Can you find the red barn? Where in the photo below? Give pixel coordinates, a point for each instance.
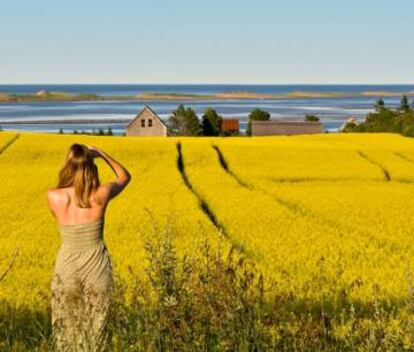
(230, 125)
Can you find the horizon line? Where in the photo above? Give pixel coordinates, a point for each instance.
(215, 84)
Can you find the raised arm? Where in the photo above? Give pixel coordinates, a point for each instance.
(122, 174)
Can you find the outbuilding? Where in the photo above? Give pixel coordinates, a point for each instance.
(146, 123)
(271, 128)
(230, 126)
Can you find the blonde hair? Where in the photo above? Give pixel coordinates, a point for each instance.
(81, 172)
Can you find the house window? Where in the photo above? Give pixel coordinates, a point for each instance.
(143, 123)
(150, 123)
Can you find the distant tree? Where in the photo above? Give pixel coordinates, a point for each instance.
(176, 123)
(311, 118)
(399, 120)
(184, 122)
(259, 115)
(211, 122)
(379, 105)
(404, 106)
(110, 133)
(351, 124)
(101, 132)
(75, 131)
(256, 115)
(60, 131)
(192, 123)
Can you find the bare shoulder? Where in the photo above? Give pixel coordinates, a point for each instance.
(52, 192)
(104, 190)
(109, 190)
(105, 187)
(56, 194)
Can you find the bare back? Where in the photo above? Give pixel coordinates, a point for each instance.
(62, 203)
(63, 206)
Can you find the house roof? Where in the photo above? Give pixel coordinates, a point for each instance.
(281, 123)
(152, 112)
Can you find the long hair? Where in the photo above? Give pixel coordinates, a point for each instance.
(81, 172)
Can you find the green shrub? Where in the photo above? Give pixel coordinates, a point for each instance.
(184, 122)
(211, 123)
(256, 115)
(312, 118)
(215, 300)
(399, 120)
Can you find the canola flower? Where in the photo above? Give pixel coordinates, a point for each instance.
(31, 165)
(359, 185)
(316, 213)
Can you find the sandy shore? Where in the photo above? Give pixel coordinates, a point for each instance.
(60, 121)
(58, 96)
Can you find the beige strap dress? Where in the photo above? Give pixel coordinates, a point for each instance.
(82, 287)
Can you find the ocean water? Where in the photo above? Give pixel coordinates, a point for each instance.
(116, 114)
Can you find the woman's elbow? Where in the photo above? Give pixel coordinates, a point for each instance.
(126, 179)
(129, 176)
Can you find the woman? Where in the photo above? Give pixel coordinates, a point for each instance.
(82, 282)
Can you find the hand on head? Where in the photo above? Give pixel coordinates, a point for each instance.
(95, 152)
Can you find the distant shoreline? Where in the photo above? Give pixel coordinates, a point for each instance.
(47, 96)
(64, 122)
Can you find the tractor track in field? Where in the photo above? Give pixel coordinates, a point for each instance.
(9, 143)
(204, 206)
(404, 157)
(297, 180)
(385, 172)
(292, 206)
(225, 166)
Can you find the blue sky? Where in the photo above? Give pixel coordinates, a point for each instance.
(227, 41)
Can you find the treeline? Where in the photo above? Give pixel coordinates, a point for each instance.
(185, 122)
(384, 119)
(98, 132)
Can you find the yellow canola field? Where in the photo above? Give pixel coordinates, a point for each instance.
(368, 209)
(6, 138)
(316, 213)
(327, 157)
(31, 164)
